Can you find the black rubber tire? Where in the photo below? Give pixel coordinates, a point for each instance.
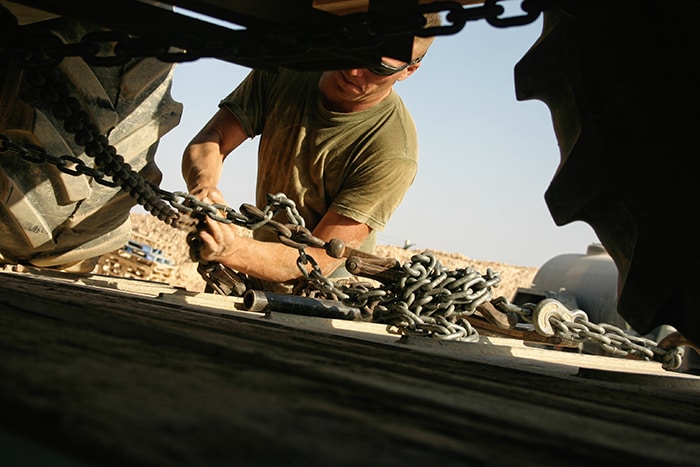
(52, 219)
(618, 96)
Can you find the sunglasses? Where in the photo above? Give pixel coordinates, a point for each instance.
(387, 70)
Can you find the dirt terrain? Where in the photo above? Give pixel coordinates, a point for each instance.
(172, 241)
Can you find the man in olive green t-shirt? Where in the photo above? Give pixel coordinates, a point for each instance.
(340, 144)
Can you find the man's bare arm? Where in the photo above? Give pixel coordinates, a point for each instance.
(274, 261)
(203, 159)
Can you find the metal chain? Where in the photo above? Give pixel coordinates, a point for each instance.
(551, 318)
(66, 163)
(434, 301)
(428, 299)
(359, 31)
(431, 300)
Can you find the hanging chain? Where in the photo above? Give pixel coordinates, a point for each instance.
(54, 93)
(355, 32)
(426, 299)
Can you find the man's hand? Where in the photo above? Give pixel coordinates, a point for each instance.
(218, 240)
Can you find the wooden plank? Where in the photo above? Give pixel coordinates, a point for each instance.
(103, 375)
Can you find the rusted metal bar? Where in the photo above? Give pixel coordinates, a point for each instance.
(363, 264)
(336, 248)
(385, 270)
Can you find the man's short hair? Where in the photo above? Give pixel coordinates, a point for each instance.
(431, 20)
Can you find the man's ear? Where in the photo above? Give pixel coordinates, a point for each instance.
(408, 72)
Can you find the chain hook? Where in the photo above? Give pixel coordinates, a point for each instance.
(547, 310)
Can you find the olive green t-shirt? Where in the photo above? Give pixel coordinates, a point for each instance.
(357, 164)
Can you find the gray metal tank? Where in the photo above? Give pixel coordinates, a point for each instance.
(584, 281)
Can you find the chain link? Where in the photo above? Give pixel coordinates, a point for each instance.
(434, 301)
(68, 164)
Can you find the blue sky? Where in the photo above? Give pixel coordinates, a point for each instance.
(486, 159)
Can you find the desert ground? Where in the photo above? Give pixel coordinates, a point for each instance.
(173, 243)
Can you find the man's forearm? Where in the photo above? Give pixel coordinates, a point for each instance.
(203, 159)
(273, 261)
(202, 164)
